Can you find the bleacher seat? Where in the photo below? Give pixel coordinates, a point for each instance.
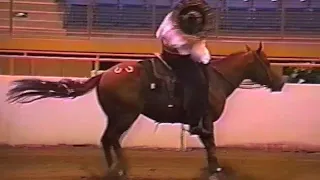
(78, 2)
(76, 15)
(135, 15)
(163, 7)
(266, 4)
(106, 14)
(315, 4)
(299, 17)
(266, 16)
(235, 16)
(237, 4)
(314, 18)
(214, 3)
(295, 4)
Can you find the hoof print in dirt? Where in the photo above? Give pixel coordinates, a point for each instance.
(215, 176)
(116, 176)
(224, 174)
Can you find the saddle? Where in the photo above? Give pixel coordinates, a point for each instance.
(167, 89)
(164, 91)
(161, 75)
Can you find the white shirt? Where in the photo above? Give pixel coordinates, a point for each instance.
(175, 38)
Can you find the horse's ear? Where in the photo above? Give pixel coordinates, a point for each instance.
(248, 48)
(260, 47)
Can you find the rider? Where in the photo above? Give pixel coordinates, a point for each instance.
(188, 56)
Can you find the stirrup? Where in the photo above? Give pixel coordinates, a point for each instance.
(199, 131)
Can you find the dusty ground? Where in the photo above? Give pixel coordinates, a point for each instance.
(72, 163)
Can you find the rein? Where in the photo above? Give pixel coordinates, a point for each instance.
(226, 79)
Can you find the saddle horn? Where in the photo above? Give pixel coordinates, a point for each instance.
(248, 48)
(260, 47)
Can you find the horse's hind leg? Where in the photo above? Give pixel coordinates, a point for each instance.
(106, 141)
(118, 124)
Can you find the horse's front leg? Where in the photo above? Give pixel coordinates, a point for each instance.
(209, 143)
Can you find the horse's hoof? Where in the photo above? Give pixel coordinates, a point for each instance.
(116, 174)
(214, 176)
(122, 175)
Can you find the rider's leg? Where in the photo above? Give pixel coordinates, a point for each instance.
(201, 54)
(198, 103)
(190, 74)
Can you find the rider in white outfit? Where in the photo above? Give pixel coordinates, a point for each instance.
(183, 48)
(174, 38)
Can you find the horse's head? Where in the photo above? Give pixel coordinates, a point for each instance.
(259, 70)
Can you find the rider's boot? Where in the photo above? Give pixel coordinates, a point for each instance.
(199, 130)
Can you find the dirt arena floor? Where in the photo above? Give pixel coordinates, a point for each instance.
(73, 163)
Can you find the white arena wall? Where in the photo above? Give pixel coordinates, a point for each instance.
(251, 118)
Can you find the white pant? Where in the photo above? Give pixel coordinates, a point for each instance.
(174, 38)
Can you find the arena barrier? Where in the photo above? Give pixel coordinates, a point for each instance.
(251, 117)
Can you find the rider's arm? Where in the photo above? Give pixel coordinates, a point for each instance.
(200, 52)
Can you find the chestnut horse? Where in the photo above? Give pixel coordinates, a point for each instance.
(125, 91)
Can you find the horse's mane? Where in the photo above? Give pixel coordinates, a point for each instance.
(234, 54)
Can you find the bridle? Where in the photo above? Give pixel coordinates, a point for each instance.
(264, 66)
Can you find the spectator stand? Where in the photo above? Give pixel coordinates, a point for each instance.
(76, 16)
(302, 17)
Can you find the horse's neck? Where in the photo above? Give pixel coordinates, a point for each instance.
(230, 76)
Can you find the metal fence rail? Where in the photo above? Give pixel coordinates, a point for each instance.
(105, 18)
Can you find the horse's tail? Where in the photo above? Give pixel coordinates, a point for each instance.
(29, 90)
